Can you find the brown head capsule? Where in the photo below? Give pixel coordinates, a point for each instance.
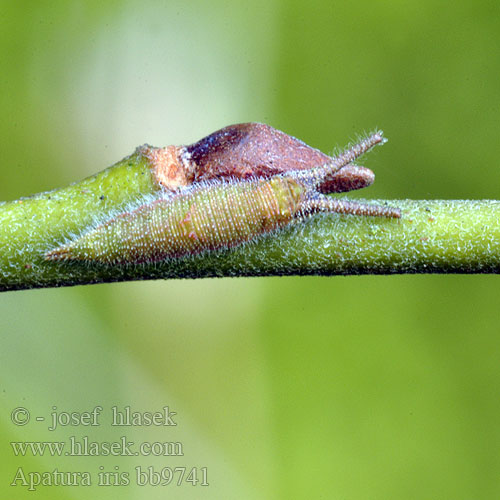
(217, 214)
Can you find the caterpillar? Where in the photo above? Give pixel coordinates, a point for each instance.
(220, 213)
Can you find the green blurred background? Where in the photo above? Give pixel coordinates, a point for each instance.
(342, 388)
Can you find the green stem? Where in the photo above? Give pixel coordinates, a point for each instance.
(432, 236)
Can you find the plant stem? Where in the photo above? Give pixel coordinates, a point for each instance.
(431, 237)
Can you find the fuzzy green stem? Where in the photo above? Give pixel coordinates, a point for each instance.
(431, 236)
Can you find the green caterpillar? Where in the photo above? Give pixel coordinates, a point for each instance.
(217, 214)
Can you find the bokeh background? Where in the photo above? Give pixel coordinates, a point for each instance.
(344, 387)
